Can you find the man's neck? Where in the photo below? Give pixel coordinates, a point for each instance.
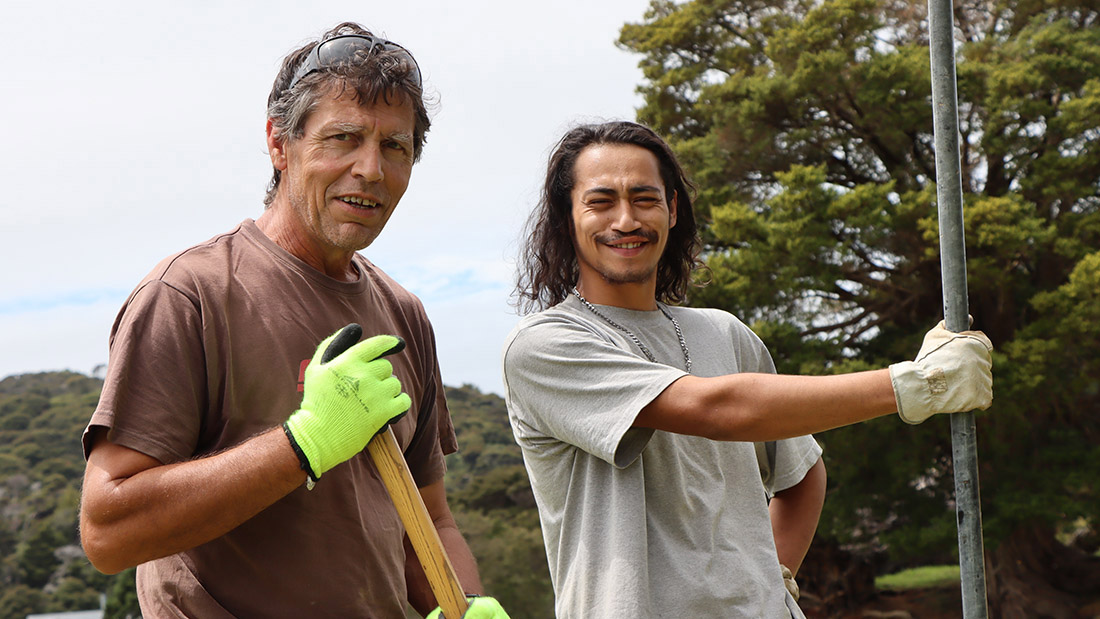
(635, 296)
(286, 234)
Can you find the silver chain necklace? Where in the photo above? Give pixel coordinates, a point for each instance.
(634, 338)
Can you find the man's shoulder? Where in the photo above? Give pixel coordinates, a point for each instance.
(712, 315)
(721, 324)
(562, 315)
(536, 326)
(202, 261)
(390, 290)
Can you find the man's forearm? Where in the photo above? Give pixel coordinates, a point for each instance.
(768, 407)
(134, 509)
(795, 513)
(462, 559)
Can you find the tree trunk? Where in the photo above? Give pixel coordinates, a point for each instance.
(1030, 575)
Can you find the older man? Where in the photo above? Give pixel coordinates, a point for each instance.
(220, 410)
(640, 421)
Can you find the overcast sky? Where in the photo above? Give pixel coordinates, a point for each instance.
(136, 129)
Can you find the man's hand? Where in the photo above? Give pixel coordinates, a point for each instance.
(789, 582)
(350, 394)
(952, 373)
(481, 607)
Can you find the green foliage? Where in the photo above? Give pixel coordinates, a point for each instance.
(490, 495)
(42, 568)
(18, 601)
(122, 602)
(808, 129)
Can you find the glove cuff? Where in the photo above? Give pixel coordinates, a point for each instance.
(909, 385)
(303, 461)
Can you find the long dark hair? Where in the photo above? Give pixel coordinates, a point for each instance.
(548, 260)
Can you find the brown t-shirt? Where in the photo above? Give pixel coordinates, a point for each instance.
(210, 350)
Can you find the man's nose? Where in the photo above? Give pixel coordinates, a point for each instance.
(368, 163)
(626, 219)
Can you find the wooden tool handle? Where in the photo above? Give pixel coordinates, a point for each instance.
(390, 462)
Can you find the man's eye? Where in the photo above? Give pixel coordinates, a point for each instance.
(342, 137)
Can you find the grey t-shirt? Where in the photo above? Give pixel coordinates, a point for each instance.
(641, 523)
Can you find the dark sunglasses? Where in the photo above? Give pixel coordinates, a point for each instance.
(344, 48)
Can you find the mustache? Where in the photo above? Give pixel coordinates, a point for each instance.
(611, 237)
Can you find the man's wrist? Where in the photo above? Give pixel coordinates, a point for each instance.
(303, 461)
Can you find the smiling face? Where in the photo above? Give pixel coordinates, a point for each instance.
(621, 222)
(342, 179)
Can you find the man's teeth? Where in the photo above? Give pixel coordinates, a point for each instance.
(628, 245)
(360, 202)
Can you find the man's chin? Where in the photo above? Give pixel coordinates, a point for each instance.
(627, 277)
(353, 237)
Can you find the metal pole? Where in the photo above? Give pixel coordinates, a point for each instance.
(964, 446)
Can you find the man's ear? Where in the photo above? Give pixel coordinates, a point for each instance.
(672, 211)
(276, 146)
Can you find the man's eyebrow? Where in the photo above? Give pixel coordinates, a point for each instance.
(401, 136)
(593, 190)
(350, 127)
(344, 127)
(632, 190)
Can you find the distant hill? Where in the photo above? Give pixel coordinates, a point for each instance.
(43, 569)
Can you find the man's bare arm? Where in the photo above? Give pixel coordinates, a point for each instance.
(794, 515)
(768, 407)
(952, 373)
(420, 595)
(135, 509)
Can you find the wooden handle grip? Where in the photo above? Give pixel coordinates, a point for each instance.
(390, 462)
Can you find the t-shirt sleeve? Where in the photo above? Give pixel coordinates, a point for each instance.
(153, 395)
(794, 457)
(433, 437)
(566, 382)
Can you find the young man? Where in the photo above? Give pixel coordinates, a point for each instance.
(220, 410)
(639, 421)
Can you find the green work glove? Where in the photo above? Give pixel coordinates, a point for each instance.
(481, 607)
(952, 373)
(350, 393)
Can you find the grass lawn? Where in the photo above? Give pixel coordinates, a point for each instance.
(919, 578)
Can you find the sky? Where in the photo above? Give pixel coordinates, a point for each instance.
(136, 129)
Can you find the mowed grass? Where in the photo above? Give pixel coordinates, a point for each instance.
(919, 578)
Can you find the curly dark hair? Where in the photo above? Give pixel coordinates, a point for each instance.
(385, 75)
(548, 260)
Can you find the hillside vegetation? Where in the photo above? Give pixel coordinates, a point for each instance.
(43, 569)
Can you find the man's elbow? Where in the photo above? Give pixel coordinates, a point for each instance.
(106, 550)
(100, 552)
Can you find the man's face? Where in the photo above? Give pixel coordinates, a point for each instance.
(621, 219)
(344, 176)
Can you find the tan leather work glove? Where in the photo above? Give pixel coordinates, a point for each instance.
(789, 582)
(952, 373)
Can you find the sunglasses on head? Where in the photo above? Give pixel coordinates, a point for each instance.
(344, 48)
